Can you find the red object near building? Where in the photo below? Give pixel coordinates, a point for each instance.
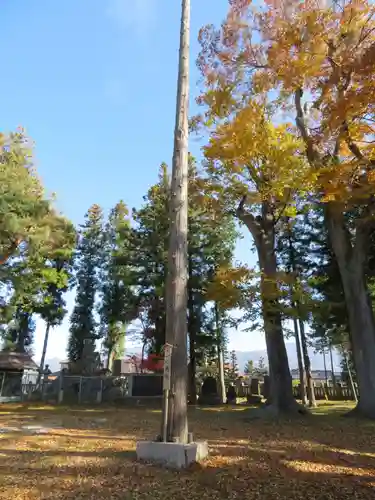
(153, 363)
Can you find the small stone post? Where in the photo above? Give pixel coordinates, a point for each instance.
(60, 395)
(130, 385)
(80, 391)
(99, 395)
(2, 383)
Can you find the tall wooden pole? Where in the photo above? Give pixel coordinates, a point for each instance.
(42, 361)
(220, 356)
(176, 294)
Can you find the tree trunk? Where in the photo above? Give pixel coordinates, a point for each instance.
(350, 377)
(193, 329)
(332, 367)
(120, 351)
(302, 377)
(262, 229)
(192, 378)
(325, 366)
(220, 361)
(110, 358)
(44, 352)
(220, 356)
(281, 398)
(23, 331)
(302, 365)
(192, 369)
(281, 391)
(176, 293)
(307, 362)
(143, 354)
(351, 259)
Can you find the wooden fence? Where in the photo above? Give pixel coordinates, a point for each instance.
(329, 392)
(321, 390)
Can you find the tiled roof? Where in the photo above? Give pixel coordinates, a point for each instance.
(16, 361)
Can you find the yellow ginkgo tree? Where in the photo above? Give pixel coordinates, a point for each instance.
(255, 170)
(314, 60)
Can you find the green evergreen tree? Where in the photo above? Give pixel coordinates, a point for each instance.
(326, 312)
(19, 334)
(22, 301)
(88, 262)
(211, 243)
(150, 244)
(249, 368)
(232, 371)
(19, 305)
(31, 232)
(294, 255)
(39, 282)
(57, 274)
(27, 216)
(118, 303)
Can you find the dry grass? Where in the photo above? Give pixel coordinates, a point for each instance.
(92, 456)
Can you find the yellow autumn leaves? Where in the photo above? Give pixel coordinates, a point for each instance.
(231, 286)
(251, 151)
(254, 65)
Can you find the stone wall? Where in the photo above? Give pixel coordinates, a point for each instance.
(89, 390)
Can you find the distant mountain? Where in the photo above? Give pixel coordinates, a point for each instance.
(53, 363)
(317, 361)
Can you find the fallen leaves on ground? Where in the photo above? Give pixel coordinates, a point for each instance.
(90, 453)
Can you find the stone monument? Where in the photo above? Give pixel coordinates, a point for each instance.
(231, 395)
(209, 393)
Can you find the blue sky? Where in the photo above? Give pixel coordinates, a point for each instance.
(94, 84)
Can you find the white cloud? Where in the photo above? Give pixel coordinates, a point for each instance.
(136, 15)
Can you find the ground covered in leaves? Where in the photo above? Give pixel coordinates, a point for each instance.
(89, 453)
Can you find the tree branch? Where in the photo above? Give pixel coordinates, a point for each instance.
(354, 149)
(301, 125)
(249, 220)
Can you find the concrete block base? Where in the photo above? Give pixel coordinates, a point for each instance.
(174, 455)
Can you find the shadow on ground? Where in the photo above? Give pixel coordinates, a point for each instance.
(319, 457)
